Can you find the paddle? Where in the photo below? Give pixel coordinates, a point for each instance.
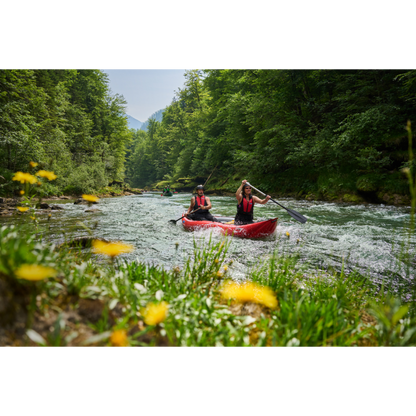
(175, 221)
(294, 214)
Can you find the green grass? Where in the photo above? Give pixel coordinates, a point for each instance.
(86, 302)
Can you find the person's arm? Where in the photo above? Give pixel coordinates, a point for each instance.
(261, 201)
(209, 206)
(238, 194)
(191, 207)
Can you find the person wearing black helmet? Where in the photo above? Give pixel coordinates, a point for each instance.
(246, 204)
(203, 203)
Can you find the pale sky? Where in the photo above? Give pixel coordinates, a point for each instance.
(145, 90)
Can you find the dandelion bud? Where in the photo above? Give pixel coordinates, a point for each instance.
(22, 192)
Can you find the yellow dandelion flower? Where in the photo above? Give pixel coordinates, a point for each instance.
(249, 292)
(155, 313)
(24, 177)
(219, 273)
(225, 267)
(119, 338)
(22, 192)
(111, 249)
(33, 164)
(90, 198)
(34, 272)
(287, 233)
(45, 174)
(22, 209)
(216, 260)
(266, 297)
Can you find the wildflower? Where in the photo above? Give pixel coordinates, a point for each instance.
(406, 171)
(249, 292)
(22, 192)
(111, 249)
(119, 338)
(39, 184)
(45, 174)
(34, 272)
(225, 267)
(33, 218)
(219, 273)
(22, 209)
(24, 177)
(216, 260)
(90, 198)
(154, 314)
(287, 233)
(33, 164)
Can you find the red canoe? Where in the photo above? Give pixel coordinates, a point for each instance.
(256, 230)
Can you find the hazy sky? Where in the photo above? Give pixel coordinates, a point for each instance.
(145, 90)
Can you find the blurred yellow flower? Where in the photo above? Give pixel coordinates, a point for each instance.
(22, 192)
(39, 184)
(225, 267)
(45, 174)
(24, 177)
(90, 198)
(33, 164)
(406, 170)
(249, 292)
(119, 338)
(34, 272)
(22, 209)
(111, 249)
(155, 313)
(287, 233)
(33, 218)
(216, 260)
(219, 273)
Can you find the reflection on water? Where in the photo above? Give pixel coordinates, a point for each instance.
(367, 237)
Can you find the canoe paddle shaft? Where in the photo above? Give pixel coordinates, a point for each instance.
(175, 221)
(293, 214)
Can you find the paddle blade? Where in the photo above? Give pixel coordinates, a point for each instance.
(296, 216)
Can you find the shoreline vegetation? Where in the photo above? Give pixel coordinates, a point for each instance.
(71, 300)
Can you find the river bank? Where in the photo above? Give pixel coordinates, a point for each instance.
(371, 198)
(76, 302)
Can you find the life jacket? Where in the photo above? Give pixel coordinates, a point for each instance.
(246, 207)
(200, 201)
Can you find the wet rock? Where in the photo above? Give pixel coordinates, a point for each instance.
(79, 201)
(84, 242)
(56, 207)
(92, 210)
(44, 205)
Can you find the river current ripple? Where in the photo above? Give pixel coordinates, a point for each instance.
(368, 238)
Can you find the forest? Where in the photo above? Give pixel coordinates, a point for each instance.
(323, 133)
(298, 132)
(66, 121)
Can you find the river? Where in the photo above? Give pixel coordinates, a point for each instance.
(364, 237)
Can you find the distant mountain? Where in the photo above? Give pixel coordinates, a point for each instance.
(157, 116)
(133, 123)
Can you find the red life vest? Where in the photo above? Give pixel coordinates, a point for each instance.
(200, 201)
(246, 207)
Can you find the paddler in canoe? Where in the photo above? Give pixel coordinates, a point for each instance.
(201, 203)
(246, 203)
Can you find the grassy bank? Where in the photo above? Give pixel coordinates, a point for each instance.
(77, 301)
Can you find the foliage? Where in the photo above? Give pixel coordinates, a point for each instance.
(67, 122)
(285, 129)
